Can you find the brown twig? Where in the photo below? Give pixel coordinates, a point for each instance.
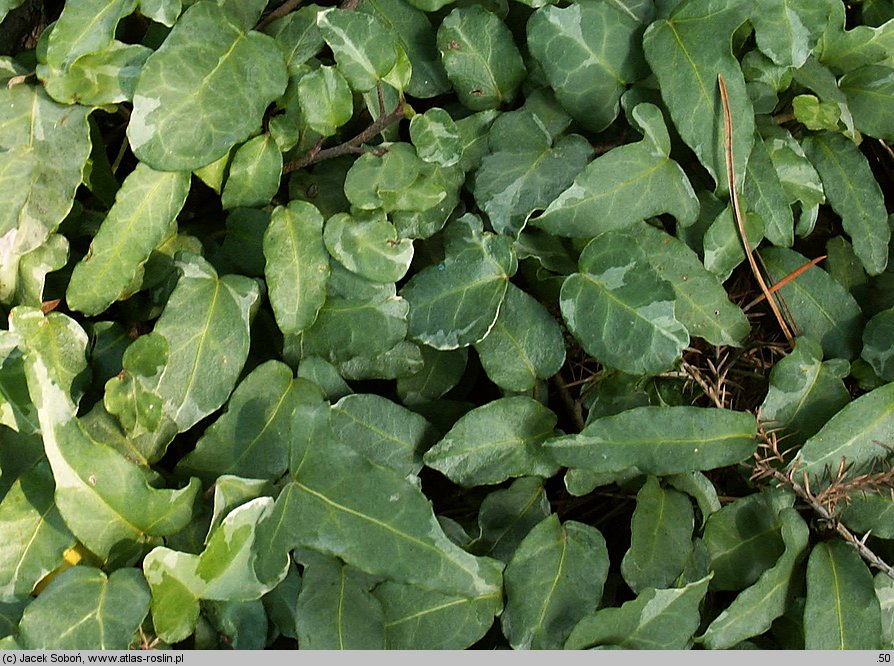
(353, 145)
(285, 8)
(737, 213)
(784, 281)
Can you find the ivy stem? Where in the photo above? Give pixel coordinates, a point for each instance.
(285, 8)
(350, 146)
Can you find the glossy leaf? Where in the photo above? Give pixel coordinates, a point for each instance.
(101, 613)
(191, 104)
(620, 310)
(877, 348)
(870, 513)
(525, 344)
(655, 620)
(436, 137)
(298, 36)
(480, 57)
(85, 27)
(589, 53)
(661, 537)
(788, 31)
(297, 265)
(870, 97)
(456, 302)
(336, 610)
(33, 531)
(525, 171)
(441, 371)
(325, 99)
(507, 515)
(626, 185)
(553, 580)
(103, 77)
(766, 197)
(884, 590)
(500, 440)
(368, 246)
(755, 608)
(686, 65)
(857, 433)
(821, 308)
(854, 195)
(804, 392)
(386, 433)
(841, 611)
(420, 619)
(254, 174)
(144, 213)
(365, 49)
(659, 441)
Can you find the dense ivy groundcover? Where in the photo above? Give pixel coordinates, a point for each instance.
(431, 324)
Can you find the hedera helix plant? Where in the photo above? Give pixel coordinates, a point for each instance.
(432, 324)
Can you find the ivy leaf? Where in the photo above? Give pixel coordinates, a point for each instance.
(161, 11)
(436, 137)
(821, 308)
(297, 265)
(625, 186)
(298, 36)
(368, 246)
(686, 65)
(553, 580)
(325, 99)
(144, 213)
(525, 344)
(766, 197)
(440, 372)
(497, 441)
(456, 302)
(480, 57)
(753, 611)
(365, 48)
(589, 53)
(84, 27)
(45, 146)
(188, 78)
(788, 31)
(507, 515)
(870, 97)
(877, 349)
(661, 537)
(34, 532)
(254, 174)
(842, 611)
(394, 180)
(420, 619)
(107, 76)
(525, 171)
(655, 620)
(620, 310)
(659, 441)
(102, 613)
(854, 194)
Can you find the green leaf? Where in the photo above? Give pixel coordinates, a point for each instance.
(753, 611)
(436, 137)
(525, 344)
(326, 100)
(804, 392)
(626, 185)
(870, 513)
(687, 65)
(619, 308)
(197, 74)
(480, 57)
(336, 610)
(858, 433)
(589, 53)
(821, 308)
(16, 410)
(525, 171)
(251, 437)
(799, 179)
(743, 540)
(365, 48)
(553, 580)
(371, 518)
(884, 589)
(766, 197)
(723, 249)
(386, 433)
(660, 441)
(104, 77)
(842, 611)
(368, 246)
(455, 303)
(702, 304)
(45, 147)
(661, 537)
(816, 114)
(231, 492)
(788, 31)
(298, 36)
(84, 27)
(497, 441)
(419, 619)
(161, 11)
(97, 612)
(854, 194)
(507, 515)
(297, 265)
(33, 531)
(254, 175)
(440, 372)
(845, 50)
(870, 97)
(144, 213)
(281, 603)
(241, 625)
(417, 38)
(655, 620)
